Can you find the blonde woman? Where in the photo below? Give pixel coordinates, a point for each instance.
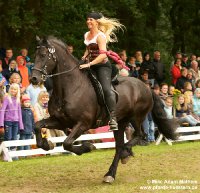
(101, 31)
(41, 112)
(11, 115)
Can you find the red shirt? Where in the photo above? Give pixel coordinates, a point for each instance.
(176, 73)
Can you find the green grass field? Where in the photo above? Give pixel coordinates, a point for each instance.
(152, 167)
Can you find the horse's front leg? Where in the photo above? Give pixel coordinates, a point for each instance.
(76, 132)
(41, 139)
(119, 140)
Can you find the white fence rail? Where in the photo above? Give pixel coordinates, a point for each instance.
(8, 155)
(186, 133)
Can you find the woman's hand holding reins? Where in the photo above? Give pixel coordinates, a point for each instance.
(84, 66)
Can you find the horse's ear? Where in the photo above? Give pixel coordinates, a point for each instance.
(46, 41)
(37, 38)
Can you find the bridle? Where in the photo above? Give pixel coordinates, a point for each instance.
(51, 54)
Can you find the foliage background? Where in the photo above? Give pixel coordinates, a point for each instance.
(166, 25)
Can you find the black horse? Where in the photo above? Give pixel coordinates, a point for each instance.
(73, 104)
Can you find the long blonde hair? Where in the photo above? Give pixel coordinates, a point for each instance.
(109, 26)
(14, 85)
(185, 105)
(42, 94)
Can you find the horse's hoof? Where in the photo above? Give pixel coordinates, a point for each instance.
(51, 145)
(88, 147)
(125, 160)
(108, 179)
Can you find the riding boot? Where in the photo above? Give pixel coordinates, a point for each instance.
(111, 103)
(113, 121)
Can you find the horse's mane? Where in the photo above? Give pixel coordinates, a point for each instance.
(57, 41)
(60, 43)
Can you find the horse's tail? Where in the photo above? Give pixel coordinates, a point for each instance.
(166, 126)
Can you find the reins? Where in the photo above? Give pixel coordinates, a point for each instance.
(59, 73)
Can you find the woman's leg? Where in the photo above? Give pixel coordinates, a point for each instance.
(151, 131)
(104, 77)
(188, 119)
(146, 126)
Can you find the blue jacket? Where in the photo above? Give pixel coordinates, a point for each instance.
(28, 121)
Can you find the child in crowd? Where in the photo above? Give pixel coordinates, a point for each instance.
(183, 112)
(28, 121)
(15, 78)
(34, 90)
(196, 102)
(9, 71)
(11, 115)
(168, 107)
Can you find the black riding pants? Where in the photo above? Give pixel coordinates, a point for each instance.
(103, 73)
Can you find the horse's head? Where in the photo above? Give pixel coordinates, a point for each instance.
(45, 60)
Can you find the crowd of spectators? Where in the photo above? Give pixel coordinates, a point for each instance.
(180, 97)
(23, 103)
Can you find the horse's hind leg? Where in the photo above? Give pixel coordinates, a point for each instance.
(139, 132)
(76, 132)
(119, 139)
(136, 139)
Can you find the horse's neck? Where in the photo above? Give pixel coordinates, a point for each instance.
(70, 83)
